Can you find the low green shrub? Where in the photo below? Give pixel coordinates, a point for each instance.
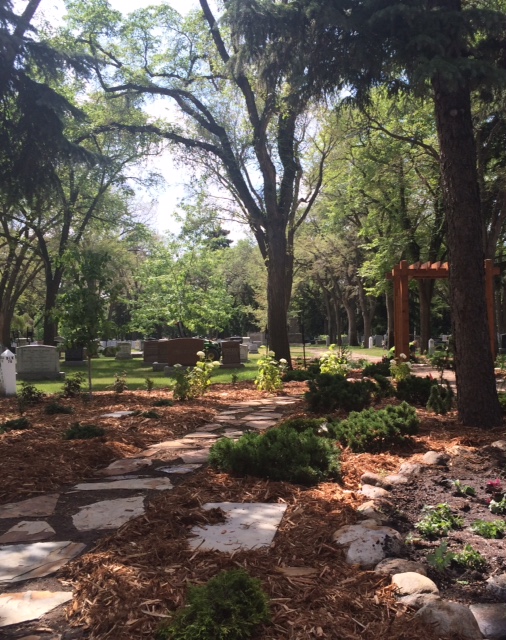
(164, 402)
(29, 394)
(279, 454)
(498, 506)
(73, 385)
(372, 430)
(441, 398)
(56, 407)
(229, 607)
(297, 375)
(83, 432)
(149, 384)
(502, 401)
(330, 392)
(438, 521)
(110, 352)
(15, 425)
(385, 389)
(336, 361)
(120, 384)
(469, 558)
(150, 414)
(491, 530)
(415, 390)
(316, 425)
(376, 368)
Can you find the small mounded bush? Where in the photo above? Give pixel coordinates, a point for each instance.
(376, 368)
(297, 375)
(110, 352)
(316, 425)
(279, 454)
(371, 430)
(83, 432)
(164, 402)
(385, 388)
(441, 398)
(54, 408)
(415, 390)
(73, 385)
(229, 607)
(150, 414)
(15, 425)
(330, 392)
(29, 394)
(120, 384)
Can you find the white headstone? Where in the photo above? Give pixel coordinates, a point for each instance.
(371, 342)
(8, 373)
(38, 362)
(432, 346)
(244, 352)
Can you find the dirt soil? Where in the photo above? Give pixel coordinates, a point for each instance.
(133, 579)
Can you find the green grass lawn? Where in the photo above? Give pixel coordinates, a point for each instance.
(104, 370)
(314, 351)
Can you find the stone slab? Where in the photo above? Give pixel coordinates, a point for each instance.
(118, 414)
(28, 561)
(260, 424)
(32, 507)
(263, 416)
(126, 465)
(28, 531)
(29, 605)
(158, 484)
(248, 526)
(195, 457)
(212, 426)
(108, 514)
(200, 436)
(491, 619)
(450, 619)
(180, 468)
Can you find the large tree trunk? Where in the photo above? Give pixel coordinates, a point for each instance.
(352, 323)
(389, 299)
(278, 295)
(5, 328)
(425, 291)
(477, 400)
(53, 283)
(368, 309)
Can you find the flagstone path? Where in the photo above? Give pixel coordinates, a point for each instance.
(39, 535)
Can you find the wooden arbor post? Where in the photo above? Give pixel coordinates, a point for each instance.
(401, 275)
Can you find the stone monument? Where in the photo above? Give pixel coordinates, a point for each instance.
(125, 351)
(38, 362)
(231, 355)
(183, 351)
(150, 351)
(7, 373)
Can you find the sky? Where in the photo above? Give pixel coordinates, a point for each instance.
(169, 194)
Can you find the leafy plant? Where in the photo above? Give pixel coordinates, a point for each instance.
(400, 369)
(150, 414)
(441, 398)
(328, 393)
(234, 378)
(438, 521)
(297, 375)
(269, 373)
(163, 402)
(193, 383)
(415, 390)
(372, 430)
(149, 384)
(470, 558)
(502, 401)
(54, 408)
(498, 506)
(376, 368)
(29, 394)
(120, 384)
(463, 489)
(229, 607)
(494, 486)
(110, 352)
(441, 558)
(491, 530)
(279, 454)
(15, 425)
(442, 359)
(83, 432)
(336, 360)
(72, 386)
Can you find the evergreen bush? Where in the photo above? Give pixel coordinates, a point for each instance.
(415, 390)
(279, 454)
(54, 408)
(376, 368)
(229, 607)
(15, 425)
(330, 392)
(371, 430)
(83, 432)
(441, 398)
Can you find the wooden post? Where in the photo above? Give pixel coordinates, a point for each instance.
(489, 289)
(404, 318)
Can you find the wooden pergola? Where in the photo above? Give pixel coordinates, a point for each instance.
(403, 273)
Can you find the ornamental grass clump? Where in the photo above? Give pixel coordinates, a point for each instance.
(279, 454)
(329, 392)
(372, 430)
(229, 607)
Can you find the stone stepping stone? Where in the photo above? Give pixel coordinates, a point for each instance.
(180, 468)
(491, 619)
(249, 525)
(33, 507)
(260, 424)
(263, 416)
(126, 465)
(201, 436)
(226, 418)
(118, 414)
(158, 484)
(28, 531)
(230, 433)
(368, 543)
(29, 605)
(28, 561)
(212, 426)
(194, 457)
(108, 514)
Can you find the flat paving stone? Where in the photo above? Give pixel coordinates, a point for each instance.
(126, 465)
(263, 416)
(180, 468)
(194, 457)
(118, 414)
(28, 531)
(260, 424)
(491, 619)
(212, 426)
(28, 561)
(201, 436)
(29, 605)
(108, 514)
(249, 525)
(33, 507)
(158, 484)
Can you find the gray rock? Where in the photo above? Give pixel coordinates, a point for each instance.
(410, 469)
(418, 600)
(496, 585)
(451, 619)
(435, 458)
(396, 478)
(411, 583)
(375, 480)
(390, 566)
(491, 619)
(373, 492)
(368, 543)
(500, 445)
(371, 511)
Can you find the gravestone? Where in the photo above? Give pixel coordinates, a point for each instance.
(38, 362)
(432, 346)
(254, 346)
(125, 351)
(74, 356)
(231, 354)
(7, 373)
(151, 351)
(244, 350)
(183, 351)
(371, 342)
